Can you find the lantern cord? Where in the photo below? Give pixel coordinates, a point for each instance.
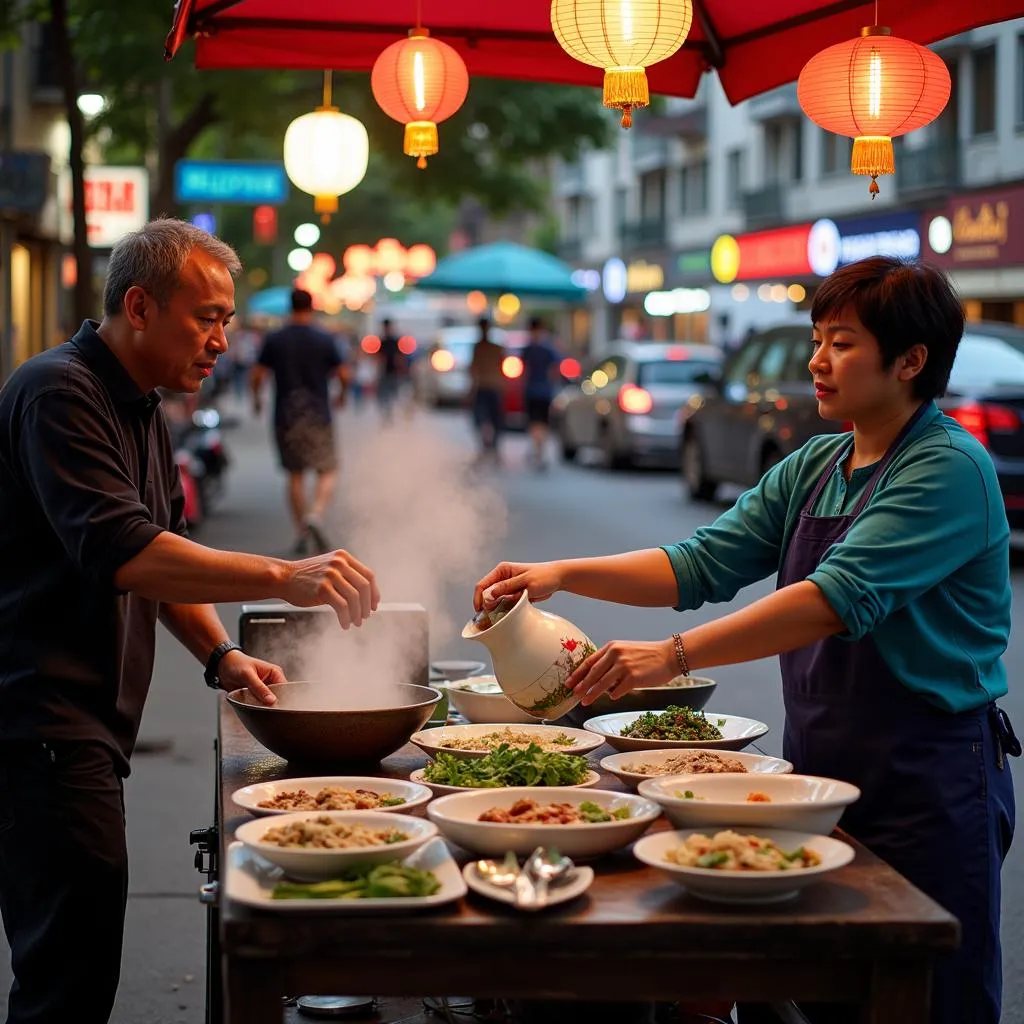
(327, 88)
(419, 13)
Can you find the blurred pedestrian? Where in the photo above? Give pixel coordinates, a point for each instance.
(92, 523)
(540, 372)
(390, 369)
(245, 347)
(488, 385)
(303, 360)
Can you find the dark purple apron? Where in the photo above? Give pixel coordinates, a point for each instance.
(936, 793)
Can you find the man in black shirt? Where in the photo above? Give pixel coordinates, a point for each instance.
(92, 552)
(390, 376)
(303, 359)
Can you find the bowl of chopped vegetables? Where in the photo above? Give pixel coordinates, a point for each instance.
(733, 867)
(507, 766)
(683, 691)
(579, 823)
(675, 727)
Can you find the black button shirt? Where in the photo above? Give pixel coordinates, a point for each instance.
(87, 480)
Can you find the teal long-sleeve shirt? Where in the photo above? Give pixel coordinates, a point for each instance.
(924, 569)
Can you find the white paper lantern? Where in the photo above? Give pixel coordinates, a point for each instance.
(325, 154)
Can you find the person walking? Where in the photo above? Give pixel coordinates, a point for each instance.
(92, 552)
(890, 618)
(487, 386)
(303, 359)
(390, 372)
(540, 370)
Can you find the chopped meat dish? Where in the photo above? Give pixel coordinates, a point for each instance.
(530, 812)
(758, 798)
(325, 833)
(687, 762)
(331, 798)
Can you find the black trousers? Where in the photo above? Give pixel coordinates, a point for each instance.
(63, 880)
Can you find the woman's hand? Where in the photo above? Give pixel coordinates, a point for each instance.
(239, 671)
(623, 665)
(337, 579)
(510, 579)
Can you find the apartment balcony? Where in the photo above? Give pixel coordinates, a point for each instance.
(643, 234)
(689, 125)
(766, 206)
(934, 168)
(649, 152)
(777, 105)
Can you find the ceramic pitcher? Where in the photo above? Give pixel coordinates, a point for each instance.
(534, 652)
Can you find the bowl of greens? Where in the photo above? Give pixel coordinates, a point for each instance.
(683, 691)
(675, 727)
(503, 768)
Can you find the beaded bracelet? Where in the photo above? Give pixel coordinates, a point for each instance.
(684, 666)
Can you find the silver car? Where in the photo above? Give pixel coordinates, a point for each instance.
(626, 403)
(443, 374)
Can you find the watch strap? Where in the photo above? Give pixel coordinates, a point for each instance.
(212, 673)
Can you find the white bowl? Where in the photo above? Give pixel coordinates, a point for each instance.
(250, 797)
(457, 818)
(804, 803)
(316, 864)
(618, 764)
(431, 740)
(480, 699)
(736, 732)
(745, 886)
(453, 669)
(592, 778)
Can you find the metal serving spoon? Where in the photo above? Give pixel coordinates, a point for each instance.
(507, 875)
(544, 867)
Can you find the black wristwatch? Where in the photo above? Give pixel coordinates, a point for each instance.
(211, 675)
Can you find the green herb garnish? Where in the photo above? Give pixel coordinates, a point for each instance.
(674, 723)
(507, 766)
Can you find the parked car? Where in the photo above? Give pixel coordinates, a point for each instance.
(627, 401)
(764, 408)
(444, 373)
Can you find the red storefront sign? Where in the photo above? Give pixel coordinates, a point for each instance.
(982, 230)
(803, 250)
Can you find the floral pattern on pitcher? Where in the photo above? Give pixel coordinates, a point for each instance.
(552, 684)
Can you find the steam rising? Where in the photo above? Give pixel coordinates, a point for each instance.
(413, 513)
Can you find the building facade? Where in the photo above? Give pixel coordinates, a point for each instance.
(708, 220)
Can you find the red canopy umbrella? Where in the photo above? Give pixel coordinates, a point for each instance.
(754, 46)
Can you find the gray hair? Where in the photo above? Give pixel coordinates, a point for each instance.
(153, 257)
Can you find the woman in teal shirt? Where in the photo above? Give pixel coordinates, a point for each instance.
(891, 614)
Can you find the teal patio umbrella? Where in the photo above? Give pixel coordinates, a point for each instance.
(505, 267)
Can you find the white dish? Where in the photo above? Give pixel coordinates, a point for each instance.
(745, 886)
(316, 864)
(482, 701)
(250, 879)
(457, 818)
(759, 764)
(736, 732)
(592, 778)
(577, 885)
(250, 797)
(803, 803)
(430, 740)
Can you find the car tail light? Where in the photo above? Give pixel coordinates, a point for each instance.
(635, 401)
(570, 368)
(981, 418)
(512, 367)
(442, 360)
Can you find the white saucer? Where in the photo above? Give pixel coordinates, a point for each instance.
(561, 893)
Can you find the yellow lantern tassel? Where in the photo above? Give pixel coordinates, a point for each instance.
(421, 141)
(624, 89)
(873, 155)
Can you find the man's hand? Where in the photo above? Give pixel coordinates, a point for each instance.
(239, 671)
(338, 579)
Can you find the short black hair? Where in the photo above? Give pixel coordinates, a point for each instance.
(903, 303)
(536, 323)
(302, 301)
(386, 323)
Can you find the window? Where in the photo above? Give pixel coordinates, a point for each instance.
(734, 179)
(987, 363)
(676, 371)
(984, 122)
(746, 359)
(796, 371)
(835, 153)
(774, 359)
(652, 197)
(693, 197)
(621, 208)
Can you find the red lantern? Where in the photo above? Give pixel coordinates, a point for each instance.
(419, 81)
(873, 89)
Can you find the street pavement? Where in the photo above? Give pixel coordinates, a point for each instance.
(411, 506)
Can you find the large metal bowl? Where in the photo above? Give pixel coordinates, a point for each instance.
(694, 693)
(299, 729)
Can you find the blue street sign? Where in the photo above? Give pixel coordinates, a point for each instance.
(205, 222)
(230, 181)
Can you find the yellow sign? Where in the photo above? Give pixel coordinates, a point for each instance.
(642, 276)
(725, 259)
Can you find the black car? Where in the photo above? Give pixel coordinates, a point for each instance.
(764, 409)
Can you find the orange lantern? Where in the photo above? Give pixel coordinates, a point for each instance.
(419, 81)
(873, 89)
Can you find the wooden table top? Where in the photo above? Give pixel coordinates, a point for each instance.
(863, 909)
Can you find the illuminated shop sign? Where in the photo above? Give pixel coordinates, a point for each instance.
(895, 234)
(642, 276)
(977, 231)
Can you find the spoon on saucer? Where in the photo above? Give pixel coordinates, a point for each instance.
(507, 875)
(544, 867)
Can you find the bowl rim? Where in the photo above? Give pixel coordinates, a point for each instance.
(235, 701)
(611, 762)
(850, 793)
(424, 738)
(417, 793)
(427, 830)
